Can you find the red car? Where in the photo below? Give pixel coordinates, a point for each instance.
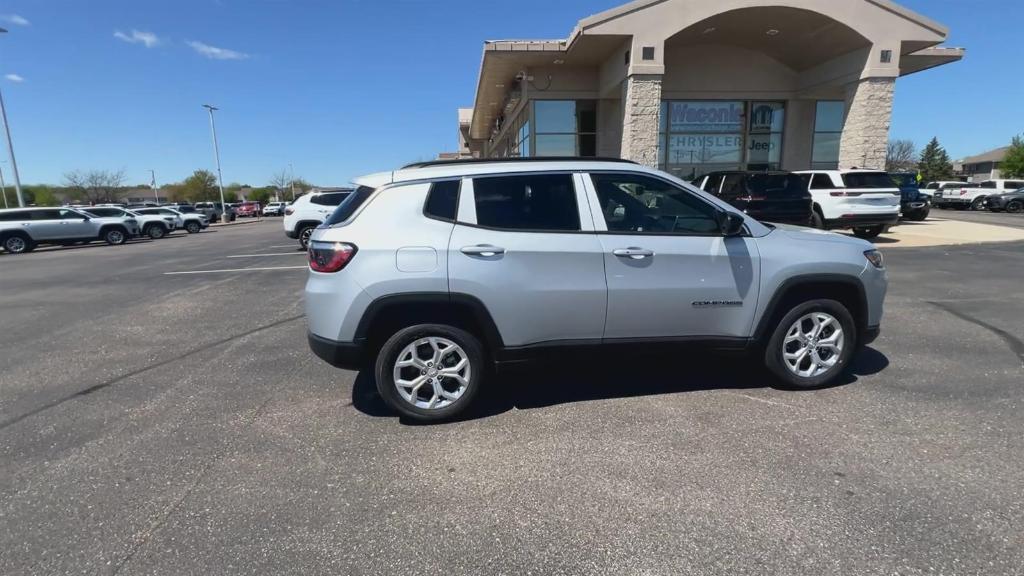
(247, 209)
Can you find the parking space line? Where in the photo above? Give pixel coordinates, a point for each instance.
(273, 254)
(235, 270)
(283, 246)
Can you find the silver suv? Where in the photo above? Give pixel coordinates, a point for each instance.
(432, 273)
(22, 229)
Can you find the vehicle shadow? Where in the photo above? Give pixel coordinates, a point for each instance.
(590, 377)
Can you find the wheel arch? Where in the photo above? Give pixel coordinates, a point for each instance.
(106, 227)
(385, 316)
(844, 288)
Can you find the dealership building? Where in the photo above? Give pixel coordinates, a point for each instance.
(692, 86)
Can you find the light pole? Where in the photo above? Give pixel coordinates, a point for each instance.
(152, 184)
(216, 155)
(3, 186)
(292, 180)
(10, 147)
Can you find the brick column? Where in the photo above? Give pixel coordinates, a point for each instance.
(641, 105)
(866, 131)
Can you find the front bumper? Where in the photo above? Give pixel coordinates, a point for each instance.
(347, 355)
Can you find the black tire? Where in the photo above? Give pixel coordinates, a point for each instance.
(18, 244)
(978, 204)
(868, 232)
(1015, 207)
(304, 233)
(918, 216)
(388, 356)
(816, 220)
(193, 227)
(115, 236)
(774, 349)
(156, 231)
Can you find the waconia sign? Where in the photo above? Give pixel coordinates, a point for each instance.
(705, 116)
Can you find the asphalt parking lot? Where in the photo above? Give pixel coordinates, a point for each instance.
(161, 414)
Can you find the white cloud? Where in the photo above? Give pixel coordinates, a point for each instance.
(136, 37)
(216, 53)
(15, 19)
(14, 78)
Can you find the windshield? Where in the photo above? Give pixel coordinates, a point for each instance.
(904, 180)
(867, 180)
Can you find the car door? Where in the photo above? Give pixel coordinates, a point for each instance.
(523, 247)
(47, 224)
(670, 271)
(75, 225)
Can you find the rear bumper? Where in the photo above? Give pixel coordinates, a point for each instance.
(291, 233)
(347, 355)
(863, 220)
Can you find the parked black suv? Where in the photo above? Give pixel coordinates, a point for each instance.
(767, 196)
(1012, 202)
(914, 205)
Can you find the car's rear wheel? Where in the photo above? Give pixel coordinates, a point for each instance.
(156, 232)
(304, 233)
(1015, 207)
(978, 204)
(430, 372)
(918, 216)
(868, 232)
(812, 344)
(115, 236)
(18, 244)
(193, 227)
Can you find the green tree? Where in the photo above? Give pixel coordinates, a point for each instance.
(201, 186)
(935, 163)
(262, 195)
(40, 195)
(1013, 165)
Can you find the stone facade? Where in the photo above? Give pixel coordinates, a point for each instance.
(641, 102)
(866, 131)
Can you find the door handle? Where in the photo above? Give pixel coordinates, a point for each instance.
(482, 250)
(634, 253)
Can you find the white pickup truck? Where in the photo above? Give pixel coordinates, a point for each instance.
(972, 195)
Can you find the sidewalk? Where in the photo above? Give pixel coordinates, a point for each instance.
(944, 232)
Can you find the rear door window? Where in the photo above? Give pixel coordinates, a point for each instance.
(775, 185)
(988, 184)
(536, 202)
(733, 186)
(821, 182)
(330, 198)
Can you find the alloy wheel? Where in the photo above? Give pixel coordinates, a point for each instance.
(115, 237)
(813, 344)
(15, 245)
(304, 236)
(432, 373)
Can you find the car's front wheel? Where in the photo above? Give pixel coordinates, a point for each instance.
(812, 344)
(430, 372)
(156, 232)
(1015, 207)
(193, 227)
(868, 232)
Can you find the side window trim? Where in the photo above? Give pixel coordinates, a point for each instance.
(466, 214)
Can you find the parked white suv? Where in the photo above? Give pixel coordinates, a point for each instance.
(192, 221)
(154, 226)
(310, 211)
(868, 201)
(972, 195)
(932, 187)
(22, 229)
(274, 208)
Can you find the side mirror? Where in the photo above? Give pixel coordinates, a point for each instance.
(730, 223)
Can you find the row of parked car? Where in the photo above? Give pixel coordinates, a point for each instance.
(23, 229)
(999, 195)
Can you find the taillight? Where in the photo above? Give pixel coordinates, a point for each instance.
(288, 211)
(330, 256)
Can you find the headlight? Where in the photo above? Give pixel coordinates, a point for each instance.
(876, 259)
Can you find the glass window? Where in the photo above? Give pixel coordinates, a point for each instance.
(351, 201)
(46, 215)
(329, 198)
(71, 215)
(701, 136)
(764, 145)
(646, 205)
(987, 184)
(104, 212)
(1013, 184)
(545, 202)
(713, 184)
(563, 128)
(443, 200)
(733, 185)
(15, 216)
(821, 182)
(828, 129)
(867, 180)
(775, 185)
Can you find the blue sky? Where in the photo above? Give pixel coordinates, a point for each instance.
(342, 88)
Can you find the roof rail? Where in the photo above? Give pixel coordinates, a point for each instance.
(513, 159)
